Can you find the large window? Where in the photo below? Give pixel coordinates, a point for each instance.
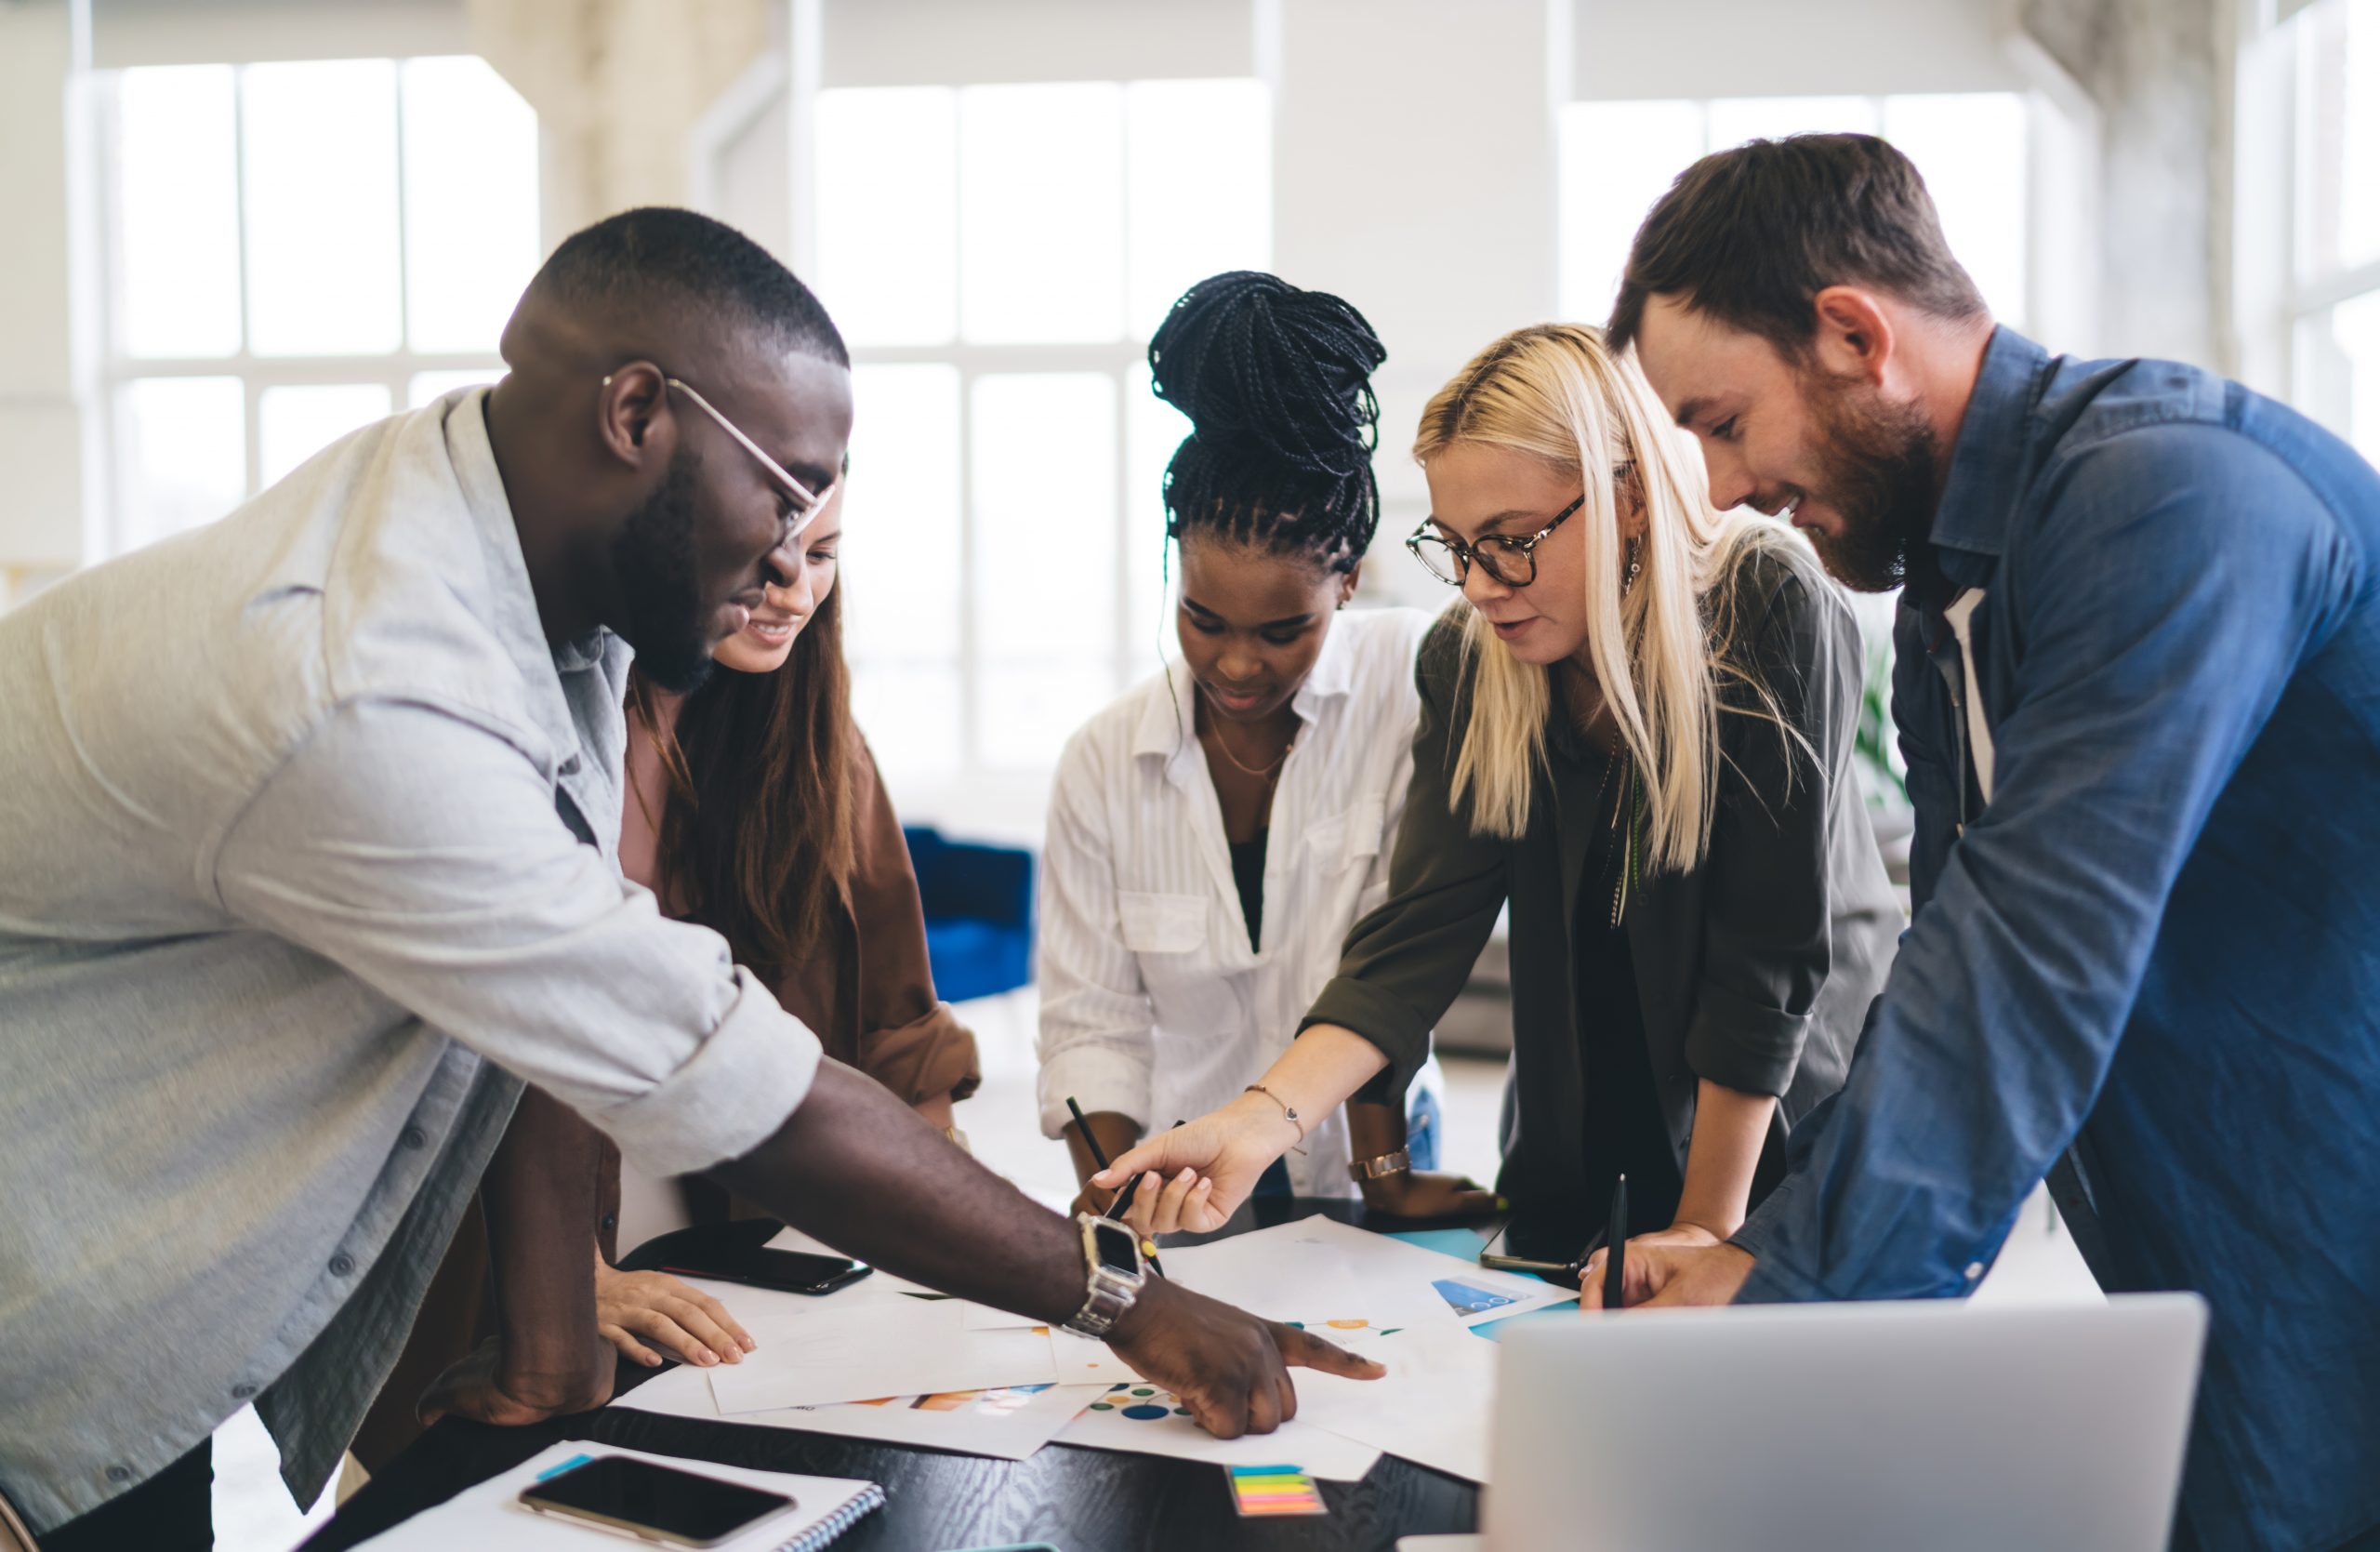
(996, 256)
(2335, 309)
(295, 250)
(1616, 158)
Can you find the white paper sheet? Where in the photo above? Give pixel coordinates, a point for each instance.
(1431, 1408)
(1083, 1359)
(490, 1516)
(873, 1351)
(1144, 1420)
(1005, 1423)
(1318, 1270)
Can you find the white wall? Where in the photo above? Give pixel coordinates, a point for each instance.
(41, 414)
(1631, 48)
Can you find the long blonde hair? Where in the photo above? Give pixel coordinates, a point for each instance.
(1660, 646)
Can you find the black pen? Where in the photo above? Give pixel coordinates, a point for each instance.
(1123, 1199)
(1615, 1234)
(1615, 1280)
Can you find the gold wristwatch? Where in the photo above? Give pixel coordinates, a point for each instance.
(1387, 1163)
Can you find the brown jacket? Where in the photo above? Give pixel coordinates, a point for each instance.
(869, 996)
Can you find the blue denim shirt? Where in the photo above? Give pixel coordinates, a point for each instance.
(2159, 945)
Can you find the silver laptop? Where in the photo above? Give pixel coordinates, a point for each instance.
(1845, 1427)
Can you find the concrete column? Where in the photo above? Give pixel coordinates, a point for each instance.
(2158, 71)
(617, 85)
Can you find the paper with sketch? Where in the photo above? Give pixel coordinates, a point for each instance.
(1008, 1423)
(876, 1350)
(1145, 1420)
(1319, 1272)
(1431, 1408)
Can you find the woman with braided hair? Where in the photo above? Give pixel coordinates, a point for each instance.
(1636, 737)
(1213, 834)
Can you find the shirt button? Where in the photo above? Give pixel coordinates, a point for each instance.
(342, 1264)
(611, 1221)
(119, 1473)
(568, 767)
(1975, 1270)
(413, 1136)
(242, 1392)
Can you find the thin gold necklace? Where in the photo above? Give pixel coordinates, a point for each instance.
(1215, 726)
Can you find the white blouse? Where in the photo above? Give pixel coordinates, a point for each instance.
(1153, 1003)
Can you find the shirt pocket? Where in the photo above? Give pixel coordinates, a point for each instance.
(1346, 838)
(1162, 923)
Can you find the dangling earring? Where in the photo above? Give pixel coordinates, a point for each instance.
(1635, 564)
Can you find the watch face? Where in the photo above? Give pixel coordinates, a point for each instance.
(1118, 1252)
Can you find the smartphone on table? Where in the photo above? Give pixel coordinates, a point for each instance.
(654, 1503)
(787, 1272)
(1545, 1245)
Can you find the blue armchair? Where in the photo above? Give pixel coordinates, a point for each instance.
(979, 913)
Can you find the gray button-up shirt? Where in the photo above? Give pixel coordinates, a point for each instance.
(307, 846)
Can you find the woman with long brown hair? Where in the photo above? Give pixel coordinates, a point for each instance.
(753, 808)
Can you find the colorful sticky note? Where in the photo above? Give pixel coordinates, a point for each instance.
(1274, 1490)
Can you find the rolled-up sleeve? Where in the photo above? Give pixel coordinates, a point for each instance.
(1768, 917)
(1098, 1026)
(423, 855)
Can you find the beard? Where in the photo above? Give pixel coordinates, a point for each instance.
(1879, 462)
(654, 556)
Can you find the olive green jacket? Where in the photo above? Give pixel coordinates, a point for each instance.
(1755, 970)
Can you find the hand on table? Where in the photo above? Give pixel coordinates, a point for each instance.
(1681, 1265)
(1223, 1152)
(634, 1308)
(1229, 1368)
(478, 1387)
(1428, 1194)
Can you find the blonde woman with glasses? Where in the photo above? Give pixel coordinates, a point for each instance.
(1636, 733)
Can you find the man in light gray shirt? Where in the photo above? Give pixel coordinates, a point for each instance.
(307, 824)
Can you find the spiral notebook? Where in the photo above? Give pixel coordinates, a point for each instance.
(490, 1514)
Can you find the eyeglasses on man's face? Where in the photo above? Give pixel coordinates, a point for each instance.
(805, 507)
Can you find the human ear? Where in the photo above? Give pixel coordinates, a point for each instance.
(1853, 337)
(634, 404)
(1347, 584)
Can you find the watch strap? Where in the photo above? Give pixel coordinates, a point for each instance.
(1386, 1164)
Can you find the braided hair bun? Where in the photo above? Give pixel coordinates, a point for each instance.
(1277, 386)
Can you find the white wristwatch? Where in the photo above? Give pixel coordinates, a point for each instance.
(1115, 1271)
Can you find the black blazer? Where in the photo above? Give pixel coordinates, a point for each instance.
(1753, 970)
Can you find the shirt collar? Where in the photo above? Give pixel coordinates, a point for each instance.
(511, 608)
(1169, 726)
(1989, 467)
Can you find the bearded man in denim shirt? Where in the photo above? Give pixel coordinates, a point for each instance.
(2138, 688)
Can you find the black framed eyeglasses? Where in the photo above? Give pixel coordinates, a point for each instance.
(1511, 561)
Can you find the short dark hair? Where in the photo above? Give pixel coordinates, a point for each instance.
(658, 253)
(1750, 236)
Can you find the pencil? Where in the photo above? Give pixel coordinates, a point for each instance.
(1118, 1208)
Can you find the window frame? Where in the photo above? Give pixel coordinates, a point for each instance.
(257, 373)
(1123, 360)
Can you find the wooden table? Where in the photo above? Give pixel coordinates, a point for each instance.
(1076, 1500)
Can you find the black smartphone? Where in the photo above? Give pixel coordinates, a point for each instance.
(1546, 1246)
(784, 1270)
(677, 1508)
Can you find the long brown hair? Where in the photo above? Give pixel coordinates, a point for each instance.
(755, 837)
